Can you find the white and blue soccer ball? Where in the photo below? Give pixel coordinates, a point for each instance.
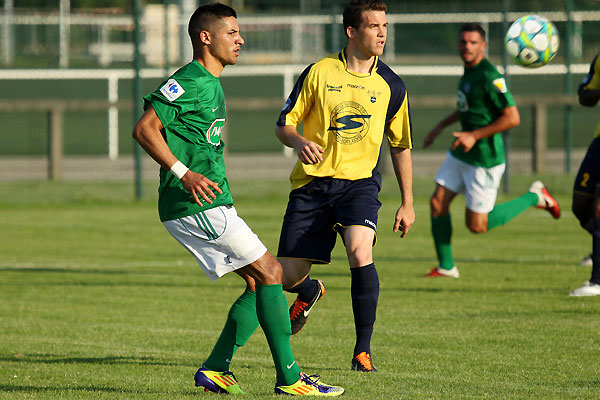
(532, 41)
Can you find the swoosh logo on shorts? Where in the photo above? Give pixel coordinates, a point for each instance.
(291, 365)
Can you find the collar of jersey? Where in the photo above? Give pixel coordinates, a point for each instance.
(342, 58)
(203, 69)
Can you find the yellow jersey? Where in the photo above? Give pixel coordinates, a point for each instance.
(347, 114)
(592, 82)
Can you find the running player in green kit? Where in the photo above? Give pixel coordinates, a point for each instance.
(476, 161)
(181, 130)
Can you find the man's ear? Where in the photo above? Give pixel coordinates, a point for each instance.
(205, 37)
(351, 32)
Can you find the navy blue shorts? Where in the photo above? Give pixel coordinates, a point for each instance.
(586, 180)
(317, 211)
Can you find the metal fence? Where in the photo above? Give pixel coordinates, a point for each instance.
(60, 55)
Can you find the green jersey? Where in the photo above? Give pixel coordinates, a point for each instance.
(191, 106)
(482, 97)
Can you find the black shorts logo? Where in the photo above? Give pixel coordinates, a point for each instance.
(349, 122)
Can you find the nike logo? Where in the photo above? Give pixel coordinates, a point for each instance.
(291, 365)
(215, 109)
(306, 312)
(227, 360)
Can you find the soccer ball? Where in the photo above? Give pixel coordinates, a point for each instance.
(531, 41)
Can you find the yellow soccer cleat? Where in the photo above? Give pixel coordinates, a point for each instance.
(217, 382)
(309, 386)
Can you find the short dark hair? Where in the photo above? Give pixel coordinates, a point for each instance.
(353, 11)
(472, 27)
(205, 17)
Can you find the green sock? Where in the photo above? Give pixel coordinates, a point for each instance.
(274, 317)
(502, 213)
(441, 228)
(240, 325)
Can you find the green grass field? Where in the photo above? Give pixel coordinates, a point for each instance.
(97, 301)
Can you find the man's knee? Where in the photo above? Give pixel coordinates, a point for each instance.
(265, 271)
(273, 272)
(477, 225)
(293, 271)
(436, 207)
(360, 256)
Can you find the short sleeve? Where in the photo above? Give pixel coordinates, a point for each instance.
(399, 128)
(176, 96)
(498, 92)
(300, 100)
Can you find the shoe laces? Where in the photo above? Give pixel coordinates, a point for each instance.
(297, 308)
(364, 359)
(229, 373)
(311, 379)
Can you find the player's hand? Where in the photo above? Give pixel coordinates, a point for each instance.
(405, 218)
(464, 139)
(200, 187)
(431, 137)
(309, 152)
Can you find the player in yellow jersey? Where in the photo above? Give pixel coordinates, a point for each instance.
(349, 102)
(586, 191)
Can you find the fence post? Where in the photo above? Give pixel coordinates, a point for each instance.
(55, 144)
(538, 155)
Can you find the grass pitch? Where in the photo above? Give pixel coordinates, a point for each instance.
(97, 301)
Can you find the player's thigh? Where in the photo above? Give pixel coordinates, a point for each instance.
(358, 205)
(264, 271)
(583, 206)
(359, 245)
(307, 230)
(219, 240)
(294, 270)
(586, 183)
(450, 175)
(481, 187)
(588, 175)
(476, 222)
(356, 220)
(440, 200)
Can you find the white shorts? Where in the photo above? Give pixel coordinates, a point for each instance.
(219, 240)
(479, 185)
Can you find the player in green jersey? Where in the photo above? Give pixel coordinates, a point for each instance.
(476, 161)
(181, 130)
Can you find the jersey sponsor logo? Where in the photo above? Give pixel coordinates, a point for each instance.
(349, 122)
(172, 90)
(350, 85)
(331, 88)
(461, 102)
(213, 134)
(500, 85)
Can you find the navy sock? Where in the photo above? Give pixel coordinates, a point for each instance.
(596, 252)
(365, 293)
(307, 289)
